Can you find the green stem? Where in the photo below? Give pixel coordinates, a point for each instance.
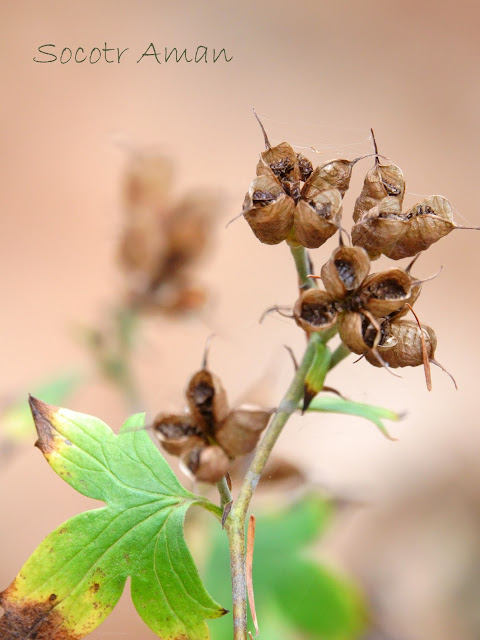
(235, 525)
(340, 353)
(224, 491)
(303, 266)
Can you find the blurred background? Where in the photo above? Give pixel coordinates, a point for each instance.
(320, 75)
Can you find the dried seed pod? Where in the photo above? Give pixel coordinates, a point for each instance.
(335, 174)
(207, 401)
(401, 345)
(380, 228)
(239, 433)
(282, 162)
(206, 464)
(318, 219)
(387, 291)
(268, 210)
(315, 310)
(345, 271)
(177, 433)
(380, 182)
(360, 332)
(305, 167)
(425, 223)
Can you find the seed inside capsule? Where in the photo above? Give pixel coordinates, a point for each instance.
(316, 315)
(346, 272)
(387, 289)
(420, 210)
(262, 198)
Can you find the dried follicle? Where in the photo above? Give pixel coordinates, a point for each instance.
(345, 271)
(268, 210)
(318, 218)
(315, 310)
(177, 434)
(401, 345)
(239, 433)
(385, 229)
(206, 464)
(425, 223)
(378, 229)
(282, 162)
(360, 331)
(383, 180)
(207, 401)
(387, 291)
(335, 174)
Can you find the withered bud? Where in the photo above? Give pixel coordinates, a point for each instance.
(401, 345)
(378, 229)
(335, 174)
(206, 464)
(268, 210)
(240, 431)
(345, 271)
(387, 291)
(359, 333)
(315, 310)
(177, 433)
(207, 400)
(317, 219)
(380, 182)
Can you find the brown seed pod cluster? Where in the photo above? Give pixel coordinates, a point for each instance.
(353, 298)
(210, 435)
(289, 200)
(162, 240)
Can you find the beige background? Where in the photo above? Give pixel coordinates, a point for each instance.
(319, 74)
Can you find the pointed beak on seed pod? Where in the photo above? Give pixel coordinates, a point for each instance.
(240, 431)
(315, 311)
(345, 271)
(380, 182)
(178, 434)
(207, 401)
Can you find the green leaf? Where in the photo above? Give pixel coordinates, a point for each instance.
(348, 407)
(76, 576)
(293, 593)
(16, 418)
(316, 374)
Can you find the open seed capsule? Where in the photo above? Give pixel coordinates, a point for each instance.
(315, 310)
(207, 401)
(177, 433)
(240, 431)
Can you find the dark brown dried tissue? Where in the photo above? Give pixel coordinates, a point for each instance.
(162, 240)
(210, 435)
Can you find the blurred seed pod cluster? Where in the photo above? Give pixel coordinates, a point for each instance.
(210, 435)
(162, 239)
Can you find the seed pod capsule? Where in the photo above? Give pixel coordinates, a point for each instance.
(207, 401)
(240, 431)
(380, 182)
(345, 271)
(387, 291)
(378, 229)
(177, 433)
(268, 210)
(358, 332)
(315, 310)
(318, 219)
(401, 346)
(335, 174)
(206, 464)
